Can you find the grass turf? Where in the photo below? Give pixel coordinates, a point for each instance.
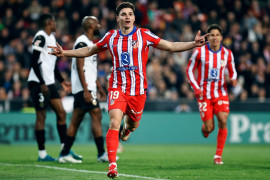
(153, 161)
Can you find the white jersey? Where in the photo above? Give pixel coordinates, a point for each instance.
(46, 60)
(89, 68)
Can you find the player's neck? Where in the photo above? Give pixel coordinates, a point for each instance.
(125, 31)
(89, 35)
(47, 31)
(214, 48)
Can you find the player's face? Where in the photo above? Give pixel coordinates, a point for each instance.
(126, 18)
(53, 25)
(97, 28)
(215, 38)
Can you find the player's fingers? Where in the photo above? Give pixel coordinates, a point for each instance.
(206, 35)
(199, 33)
(53, 47)
(58, 45)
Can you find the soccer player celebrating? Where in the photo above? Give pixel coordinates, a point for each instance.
(129, 48)
(210, 87)
(84, 86)
(41, 82)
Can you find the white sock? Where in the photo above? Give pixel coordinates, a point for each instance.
(217, 156)
(42, 153)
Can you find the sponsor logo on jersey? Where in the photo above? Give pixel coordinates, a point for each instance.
(130, 68)
(37, 42)
(125, 58)
(214, 73)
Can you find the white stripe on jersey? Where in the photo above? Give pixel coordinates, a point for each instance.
(139, 35)
(208, 87)
(151, 34)
(218, 75)
(123, 74)
(114, 60)
(226, 55)
(132, 73)
(191, 67)
(233, 67)
(203, 67)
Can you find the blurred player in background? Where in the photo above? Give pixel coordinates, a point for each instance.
(84, 88)
(210, 87)
(129, 48)
(41, 82)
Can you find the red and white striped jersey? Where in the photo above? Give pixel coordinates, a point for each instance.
(129, 55)
(211, 67)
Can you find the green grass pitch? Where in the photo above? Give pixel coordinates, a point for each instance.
(140, 162)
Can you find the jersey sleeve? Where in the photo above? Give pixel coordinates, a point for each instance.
(38, 43)
(151, 38)
(80, 45)
(103, 43)
(231, 66)
(192, 65)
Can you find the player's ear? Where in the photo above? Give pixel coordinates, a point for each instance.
(117, 18)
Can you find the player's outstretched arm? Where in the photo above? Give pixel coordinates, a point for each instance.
(80, 53)
(183, 46)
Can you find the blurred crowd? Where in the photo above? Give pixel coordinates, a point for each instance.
(246, 25)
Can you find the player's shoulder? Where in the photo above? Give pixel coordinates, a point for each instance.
(110, 32)
(82, 38)
(225, 49)
(81, 42)
(39, 39)
(144, 29)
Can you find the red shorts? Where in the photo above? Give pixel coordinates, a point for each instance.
(209, 107)
(130, 105)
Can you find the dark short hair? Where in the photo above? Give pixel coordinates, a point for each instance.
(124, 5)
(214, 26)
(43, 19)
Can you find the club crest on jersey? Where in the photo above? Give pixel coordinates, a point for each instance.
(135, 44)
(125, 58)
(214, 73)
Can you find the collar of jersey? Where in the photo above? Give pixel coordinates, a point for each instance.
(133, 31)
(212, 50)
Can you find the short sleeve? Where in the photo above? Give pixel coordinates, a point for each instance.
(38, 43)
(80, 45)
(151, 38)
(103, 43)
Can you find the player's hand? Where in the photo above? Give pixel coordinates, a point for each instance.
(44, 89)
(233, 82)
(87, 96)
(198, 93)
(200, 40)
(103, 95)
(57, 51)
(66, 86)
